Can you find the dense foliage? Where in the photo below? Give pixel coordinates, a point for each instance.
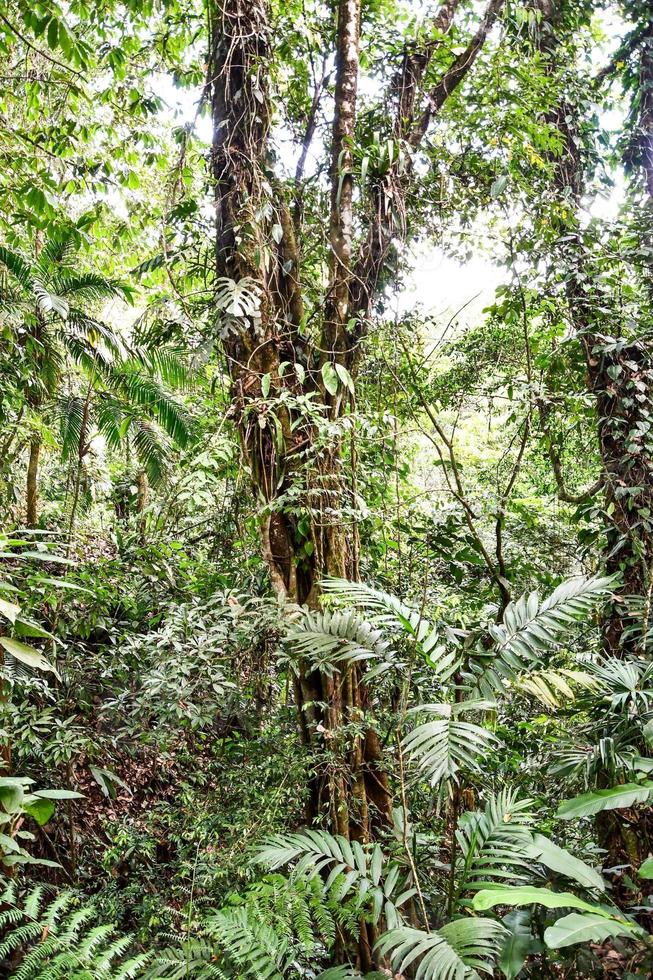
(326, 638)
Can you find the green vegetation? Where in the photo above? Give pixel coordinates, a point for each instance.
(326, 634)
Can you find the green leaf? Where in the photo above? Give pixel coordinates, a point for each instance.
(265, 385)
(11, 794)
(25, 627)
(488, 898)
(27, 655)
(345, 377)
(8, 845)
(9, 610)
(615, 798)
(40, 810)
(329, 377)
(499, 186)
(520, 943)
(562, 862)
(53, 33)
(575, 928)
(58, 794)
(646, 869)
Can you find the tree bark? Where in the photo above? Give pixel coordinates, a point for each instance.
(31, 519)
(620, 377)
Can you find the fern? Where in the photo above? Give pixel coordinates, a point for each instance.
(276, 926)
(59, 940)
(456, 951)
(348, 868)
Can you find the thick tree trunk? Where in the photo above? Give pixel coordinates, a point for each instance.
(350, 790)
(620, 377)
(257, 253)
(32, 488)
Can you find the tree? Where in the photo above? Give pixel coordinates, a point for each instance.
(284, 357)
(46, 300)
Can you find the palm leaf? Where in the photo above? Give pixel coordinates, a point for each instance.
(331, 639)
(495, 842)
(439, 749)
(457, 951)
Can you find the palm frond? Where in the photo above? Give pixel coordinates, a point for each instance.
(531, 628)
(89, 287)
(440, 749)
(169, 363)
(457, 951)
(388, 612)
(328, 640)
(554, 687)
(70, 413)
(494, 842)
(150, 450)
(145, 391)
(19, 268)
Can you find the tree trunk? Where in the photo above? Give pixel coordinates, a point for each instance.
(143, 488)
(31, 519)
(257, 255)
(620, 377)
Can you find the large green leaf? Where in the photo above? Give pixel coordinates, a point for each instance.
(11, 793)
(615, 798)
(40, 810)
(520, 943)
(488, 898)
(562, 862)
(588, 928)
(27, 655)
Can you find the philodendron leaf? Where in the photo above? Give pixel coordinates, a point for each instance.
(487, 898)
(329, 377)
(27, 655)
(588, 928)
(615, 798)
(646, 869)
(562, 862)
(520, 943)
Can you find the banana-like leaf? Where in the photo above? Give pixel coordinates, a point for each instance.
(614, 798)
(588, 928)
